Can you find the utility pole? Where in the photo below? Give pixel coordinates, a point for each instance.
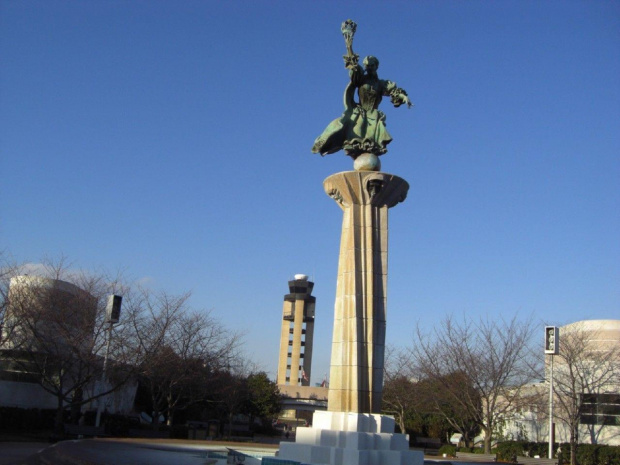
(113, 313)
(552, 348)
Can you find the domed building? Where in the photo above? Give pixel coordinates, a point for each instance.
(586, 386)
(43, 316)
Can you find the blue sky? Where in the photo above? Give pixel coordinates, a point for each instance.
(172, 139)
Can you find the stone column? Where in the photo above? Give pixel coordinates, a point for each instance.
(356, 373)
(352, 431)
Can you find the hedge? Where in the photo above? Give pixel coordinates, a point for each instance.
(21, 419)
(509, 451)
(449, 450)
(587, 454)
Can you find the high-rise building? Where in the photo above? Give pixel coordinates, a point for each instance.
(295, 362)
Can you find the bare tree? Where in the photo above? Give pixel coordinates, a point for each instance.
(436, 399)
(53, 330)
(586, 373)
(7, 270)
(492, 356)
(530, 414)
(411, 397)
(233, 391)
(177, 350)
(399, 398)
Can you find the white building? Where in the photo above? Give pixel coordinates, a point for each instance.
(589, 359)
(47, 318)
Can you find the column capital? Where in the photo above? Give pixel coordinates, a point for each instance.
(366, 188)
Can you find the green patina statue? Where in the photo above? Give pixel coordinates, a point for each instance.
(361, 128)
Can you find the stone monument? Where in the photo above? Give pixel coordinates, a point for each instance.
(352, 431)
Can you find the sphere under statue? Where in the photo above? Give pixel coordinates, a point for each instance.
(367, 162)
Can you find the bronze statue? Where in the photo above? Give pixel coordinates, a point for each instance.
(361, 128)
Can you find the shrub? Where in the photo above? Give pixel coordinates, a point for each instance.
(480, 450)
(509, 450)
(179, 432)
(586, 454)
(465, 449)
(563, 453)
(20, 419)
(532, 449)
(119, 425)
(449, 450)
(609, 455)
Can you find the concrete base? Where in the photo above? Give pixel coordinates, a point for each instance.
(344, 438)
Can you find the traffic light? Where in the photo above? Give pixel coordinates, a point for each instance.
(552, 340)
(113, 309)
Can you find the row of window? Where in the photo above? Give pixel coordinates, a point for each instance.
(607, 420)
(600, 409)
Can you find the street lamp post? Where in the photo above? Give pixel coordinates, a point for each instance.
(551, 431)
(113, 313)
(552, 347)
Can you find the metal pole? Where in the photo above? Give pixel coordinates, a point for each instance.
(105, 364)
(551, 411)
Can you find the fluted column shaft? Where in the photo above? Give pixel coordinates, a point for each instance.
(358, 344)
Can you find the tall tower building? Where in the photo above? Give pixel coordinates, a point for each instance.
(295, 362)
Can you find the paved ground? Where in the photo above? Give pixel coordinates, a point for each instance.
(137, 452)
(123, 452)
(12, 452)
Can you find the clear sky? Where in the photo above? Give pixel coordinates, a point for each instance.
(172, 139)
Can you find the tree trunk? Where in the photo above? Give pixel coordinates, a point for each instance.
(401, 421)
(76, 406)
(58, 423)
(487, 441)
(573, 446)
(156, 412)
(169, 409)
(155, 420)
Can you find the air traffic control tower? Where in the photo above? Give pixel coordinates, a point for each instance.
(295, 362)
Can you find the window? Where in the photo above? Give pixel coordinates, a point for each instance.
(600, 409)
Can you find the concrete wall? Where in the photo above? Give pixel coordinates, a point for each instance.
(25, 395)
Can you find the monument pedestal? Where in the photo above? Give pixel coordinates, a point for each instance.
(346, 438)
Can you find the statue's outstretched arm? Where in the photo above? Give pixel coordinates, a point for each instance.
(404, 98)
(397, 95)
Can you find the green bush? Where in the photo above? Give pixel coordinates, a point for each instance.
(465, 449)
(479, 450)
(509, 450)
(532, 449)
(563, 453)
(449, 450)
(179, 432)
(586, 454)
(590, 454)
(609, 455)
(21, 419)
(119, 425)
